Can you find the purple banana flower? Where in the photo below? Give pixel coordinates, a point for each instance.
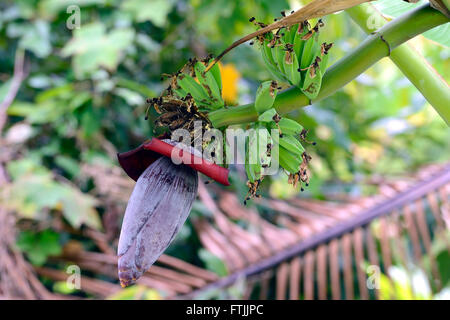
(159, 204)
(157, 209)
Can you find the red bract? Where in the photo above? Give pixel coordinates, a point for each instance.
(134, 162)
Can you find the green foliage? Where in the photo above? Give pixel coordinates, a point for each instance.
(34, 194)
(213, 263)
(38, 246)
(84, 100)
(63, 287)
(34, 36)
(136, 292)
(92, 48)
(155, 11)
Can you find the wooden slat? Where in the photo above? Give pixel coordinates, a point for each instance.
(294, 276)
(211, 245)
(371, 248)
(243, 247)
(333, 210)
(434, 206)
(396, 226)
(358, 236)
(158, 282)
(93, 286)
(385, 245)
(282, 281)
(316, 222)
(374, 208)
(233, 258)
(333, 248)
(322, 284)
(412, 231)
(302, 230)
(426, 239)
(176, 276)
(249, 286)
(444, 193)
(237, 239)
(308, 280)
(187, 267)
(265, 282)
(373, 254)
(348, 266)
(400, 245)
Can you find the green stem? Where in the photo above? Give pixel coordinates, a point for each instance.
(447, 4)
(348, 68)
(413, 65)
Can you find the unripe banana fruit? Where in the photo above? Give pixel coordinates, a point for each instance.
(294, 55)
(206, 89)
(292, 145)
(290, 127)
(265, 96)
(267, 116)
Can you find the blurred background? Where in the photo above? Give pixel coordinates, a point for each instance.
(81, 99)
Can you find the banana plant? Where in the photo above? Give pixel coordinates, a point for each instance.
(292, 54)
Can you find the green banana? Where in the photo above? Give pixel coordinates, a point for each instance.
(189, 85)
(288, 126)
(250, 174)
(266, 49)
(287, 35)
(291, 144)
(323, 64)
(264, 139)
(257, 157)
(215, 71)
(289, 161)
(309, 51)
(296, 58)
(298, 42)
(324, 48)
(180, 92)
(265, 96)
(209, 83)
(254, 163)
(279, 57)
(292, 69)
(248, 169)
(267, 116)
(313, 80)
(278, 54)
(292, 33)
(271, 66)
(313, 76)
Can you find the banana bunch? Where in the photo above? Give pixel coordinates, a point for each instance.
(294, 55)
(204, 87)
(290, 149)
(260, 151)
